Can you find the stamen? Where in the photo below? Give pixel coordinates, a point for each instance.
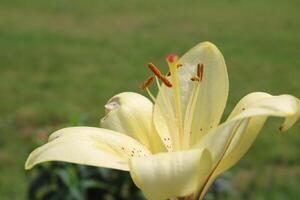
(199, 75)
(150, 94)
(200, 68)
(195, 78)
(178, 66)
(190, 111)
(159, 75)
(155, 70)
(147, 83)
(165, 106)
(166, 81)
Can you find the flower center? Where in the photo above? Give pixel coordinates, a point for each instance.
(179, 121)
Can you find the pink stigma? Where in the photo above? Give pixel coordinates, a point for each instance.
(171, 58)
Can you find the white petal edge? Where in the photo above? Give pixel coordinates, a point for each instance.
(88, 146)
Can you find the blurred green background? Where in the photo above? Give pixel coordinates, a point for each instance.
(61, 60)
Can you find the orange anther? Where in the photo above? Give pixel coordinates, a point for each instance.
(155, 70)
(166, 81)
(159, 75)
(147, 82)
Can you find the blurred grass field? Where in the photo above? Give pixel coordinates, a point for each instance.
(64, 59)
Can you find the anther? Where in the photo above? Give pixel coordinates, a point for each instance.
(195, 78)
(178, 66)
(147, 83)
(200, 68)
(159, 75)
(165, 81)
(155, 70)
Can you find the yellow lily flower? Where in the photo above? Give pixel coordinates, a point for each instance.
(175, 147)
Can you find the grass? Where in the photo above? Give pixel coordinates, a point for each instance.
(61, 59)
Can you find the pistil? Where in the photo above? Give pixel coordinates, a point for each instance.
(172, 62)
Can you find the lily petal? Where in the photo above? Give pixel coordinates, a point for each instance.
(88, 146)
(254, 108)
(168, 175)
(257, 112)
(131, 113)
(203, 102)
(232, 139)
(213, 91)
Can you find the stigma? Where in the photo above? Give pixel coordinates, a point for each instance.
(171, 58)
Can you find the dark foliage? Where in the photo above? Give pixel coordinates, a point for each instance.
(60, 181)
